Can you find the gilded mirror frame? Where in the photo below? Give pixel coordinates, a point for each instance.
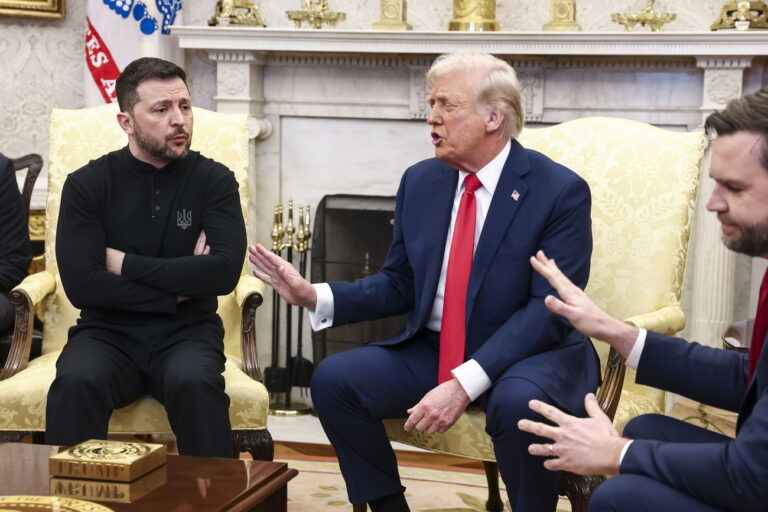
(45, 9)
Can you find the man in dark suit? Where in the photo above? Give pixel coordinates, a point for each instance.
(15, 248)
(664, 464)
(477, 329)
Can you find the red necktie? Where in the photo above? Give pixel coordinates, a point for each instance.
(453, 328)
(760, 328)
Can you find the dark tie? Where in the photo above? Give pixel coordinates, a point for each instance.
(453, 328)
(760, 328)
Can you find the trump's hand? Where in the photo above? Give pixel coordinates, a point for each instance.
(439, 409)
(578, 308)
(283, 277)
(586, 446)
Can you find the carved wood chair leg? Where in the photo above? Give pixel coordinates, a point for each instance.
(256, 442)
(494, 503)
(359, 507)
(579, 489)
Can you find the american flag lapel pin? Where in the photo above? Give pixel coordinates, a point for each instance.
(515, 195)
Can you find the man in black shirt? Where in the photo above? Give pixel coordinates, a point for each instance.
(15, 249)
(147, 237)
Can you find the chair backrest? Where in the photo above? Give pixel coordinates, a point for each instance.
(644, 182)
(79, 136)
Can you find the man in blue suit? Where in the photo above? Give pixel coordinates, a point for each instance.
(671, 465)
(478, 330)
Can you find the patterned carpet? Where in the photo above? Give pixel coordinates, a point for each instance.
(319, 487)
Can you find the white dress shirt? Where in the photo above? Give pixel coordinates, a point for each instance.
(633, 360)
(470, 374)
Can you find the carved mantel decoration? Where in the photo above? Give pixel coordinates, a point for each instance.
(742, 15)
(655, 20)
(474, 16)
(562, 16)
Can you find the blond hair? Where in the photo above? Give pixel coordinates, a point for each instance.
(497, 87)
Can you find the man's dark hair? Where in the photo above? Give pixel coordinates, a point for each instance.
(141, 70)
(747, 114)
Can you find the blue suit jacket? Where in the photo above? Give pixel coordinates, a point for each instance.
(731, 475)
(509, 329)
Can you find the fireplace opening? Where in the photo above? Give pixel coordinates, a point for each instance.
(352, 234)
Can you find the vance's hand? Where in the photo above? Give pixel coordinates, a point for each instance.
(578, 308)
(586, 446)
(439, 409)
(283, 277)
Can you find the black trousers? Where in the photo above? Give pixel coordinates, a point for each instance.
(105, 367)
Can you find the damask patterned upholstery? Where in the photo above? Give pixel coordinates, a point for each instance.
(78, 136)
(644, 182)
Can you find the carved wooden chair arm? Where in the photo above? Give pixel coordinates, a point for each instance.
(25, 297)
(249, 294)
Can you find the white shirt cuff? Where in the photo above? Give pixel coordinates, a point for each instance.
(633, 359)
(624, 450)
(472, 378)
(322, 317)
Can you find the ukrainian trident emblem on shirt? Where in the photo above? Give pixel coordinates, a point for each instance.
(184, 218)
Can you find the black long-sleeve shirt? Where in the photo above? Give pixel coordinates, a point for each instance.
(15, 248)
(155, 216)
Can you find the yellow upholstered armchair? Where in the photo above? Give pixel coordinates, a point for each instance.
(644, 182)
(78, 136)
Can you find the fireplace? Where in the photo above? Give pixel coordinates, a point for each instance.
(352, 234)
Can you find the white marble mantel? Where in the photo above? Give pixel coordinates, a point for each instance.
(723, 43)
(341, 111)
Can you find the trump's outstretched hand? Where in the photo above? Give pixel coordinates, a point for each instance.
(283, 277)
(586, 446)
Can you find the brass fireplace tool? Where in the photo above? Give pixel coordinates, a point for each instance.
(297, 370)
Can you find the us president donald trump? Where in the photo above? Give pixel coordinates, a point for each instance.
(466, 223)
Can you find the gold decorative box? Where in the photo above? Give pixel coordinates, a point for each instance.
(114, 461)
(121, 492)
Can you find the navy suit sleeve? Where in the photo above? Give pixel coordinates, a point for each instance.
(81, 255)
(533, 329)
(721, 474)
(389, 292)
(205, 275)
(705, 374)
(15, 248)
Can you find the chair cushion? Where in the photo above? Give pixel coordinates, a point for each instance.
(23, 401)
(466, 437)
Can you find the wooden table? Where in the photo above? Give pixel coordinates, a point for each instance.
(195, 484)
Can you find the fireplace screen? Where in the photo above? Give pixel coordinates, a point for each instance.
(352, 234)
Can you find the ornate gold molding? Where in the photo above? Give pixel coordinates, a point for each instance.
(33, 8)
